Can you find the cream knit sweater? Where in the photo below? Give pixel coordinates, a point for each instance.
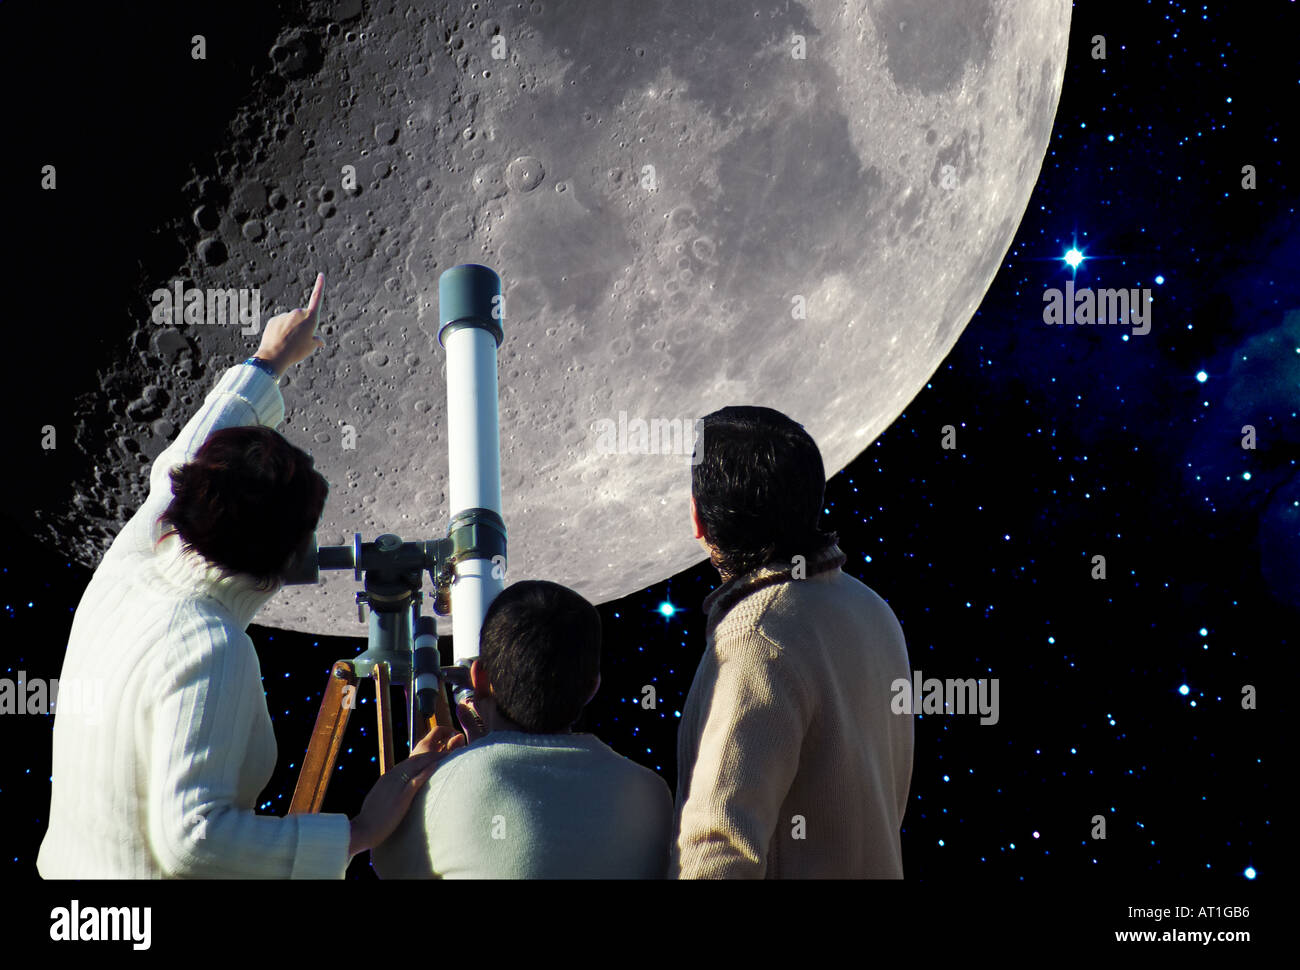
(163, 783)
(791, 763)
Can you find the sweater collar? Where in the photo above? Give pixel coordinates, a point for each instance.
(191, 574)
(719, 603)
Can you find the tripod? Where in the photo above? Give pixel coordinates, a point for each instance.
(388, 661)
(392, 570)
(467, 567)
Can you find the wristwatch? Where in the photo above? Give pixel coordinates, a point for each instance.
(260, 364)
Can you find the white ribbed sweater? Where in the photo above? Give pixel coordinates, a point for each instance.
(163, 782)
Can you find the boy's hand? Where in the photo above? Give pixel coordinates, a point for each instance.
(439, 741)
(291, 337)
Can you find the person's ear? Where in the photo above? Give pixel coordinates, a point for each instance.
(595, 687)
(695, 521)
(478, 679)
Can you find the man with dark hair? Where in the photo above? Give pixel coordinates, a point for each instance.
(531, 799)
(790, 761)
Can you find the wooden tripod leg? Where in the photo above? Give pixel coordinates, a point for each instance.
(326, 739)
(442, 711)
(384, 713)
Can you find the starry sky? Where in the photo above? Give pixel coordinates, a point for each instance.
(1119, 697)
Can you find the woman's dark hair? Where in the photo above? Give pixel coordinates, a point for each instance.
(758, 488)
(247, 501)
(540, 647)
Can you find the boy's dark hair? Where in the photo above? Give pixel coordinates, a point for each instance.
(247, 501)
(540, 648)
(758, 488)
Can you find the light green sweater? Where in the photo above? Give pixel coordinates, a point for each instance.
(533, 806)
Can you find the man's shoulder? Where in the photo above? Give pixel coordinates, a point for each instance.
(805, 599)
(619, 763)
(505, 754)
(793, 610)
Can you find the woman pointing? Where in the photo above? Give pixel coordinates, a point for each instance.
(164, 782)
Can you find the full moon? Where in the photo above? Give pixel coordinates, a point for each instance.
(690, 205)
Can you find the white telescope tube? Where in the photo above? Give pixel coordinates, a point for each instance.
(470, 301)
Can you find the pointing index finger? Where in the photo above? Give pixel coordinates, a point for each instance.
(314, 303)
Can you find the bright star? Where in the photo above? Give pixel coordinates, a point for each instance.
(1073, 258)
(1202, 376)
(667, 609)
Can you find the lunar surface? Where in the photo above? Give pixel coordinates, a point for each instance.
(690, 204)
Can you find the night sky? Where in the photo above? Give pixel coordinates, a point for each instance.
(1119, 696)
